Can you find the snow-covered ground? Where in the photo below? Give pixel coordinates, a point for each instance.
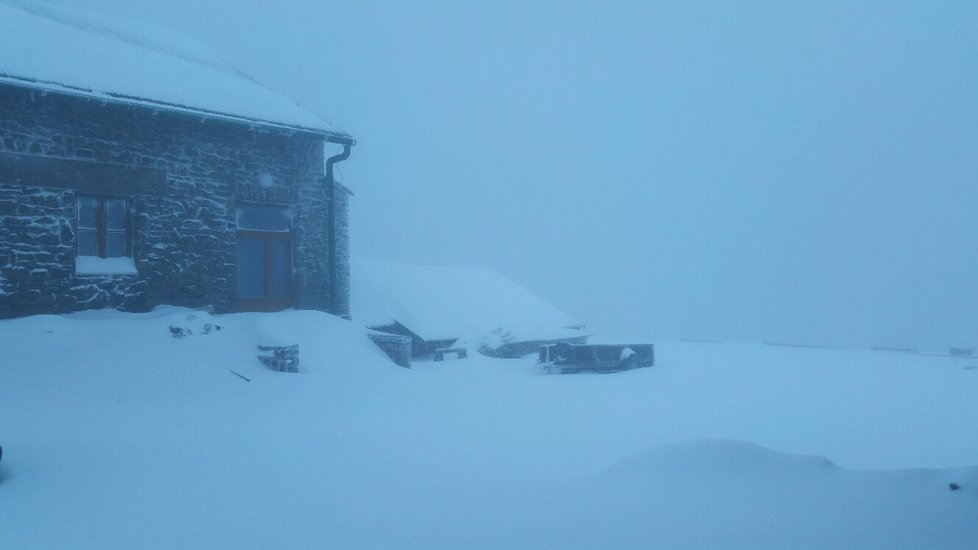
(117, 435)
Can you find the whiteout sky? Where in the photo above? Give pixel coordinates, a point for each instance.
(799, 172)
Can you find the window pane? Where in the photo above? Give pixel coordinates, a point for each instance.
(262, 217)
(88, 212)
(281, 274)
(87, 242)
(115, 214)
(251, 268)
(115, 244)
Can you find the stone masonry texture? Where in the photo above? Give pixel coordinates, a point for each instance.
(183, 231)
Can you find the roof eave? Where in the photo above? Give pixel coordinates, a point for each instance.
(330, 135)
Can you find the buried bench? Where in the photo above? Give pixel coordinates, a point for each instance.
(282, 358)
(460, 353)
(564, 358)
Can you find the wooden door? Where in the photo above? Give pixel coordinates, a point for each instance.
(264, 261)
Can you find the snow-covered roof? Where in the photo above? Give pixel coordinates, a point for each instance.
(441, 302)
(74, 51)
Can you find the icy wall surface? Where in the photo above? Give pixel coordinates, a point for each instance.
(183, 231)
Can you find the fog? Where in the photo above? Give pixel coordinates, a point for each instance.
(766, 171)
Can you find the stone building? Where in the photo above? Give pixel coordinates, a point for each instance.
(137, 169)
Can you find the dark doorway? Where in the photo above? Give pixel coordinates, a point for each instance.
(264, 258)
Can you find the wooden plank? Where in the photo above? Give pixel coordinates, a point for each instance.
(101, 178)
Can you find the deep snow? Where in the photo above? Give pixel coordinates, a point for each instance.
(63, 49)
(115, 434)
(482, 306)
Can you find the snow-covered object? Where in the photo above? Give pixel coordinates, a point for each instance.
(117, 435)
(439, 302)
(183, 324)
(62, 49)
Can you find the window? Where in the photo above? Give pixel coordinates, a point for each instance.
(103, 227)
(104, 243)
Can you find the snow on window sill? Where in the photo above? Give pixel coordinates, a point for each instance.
(93, 265)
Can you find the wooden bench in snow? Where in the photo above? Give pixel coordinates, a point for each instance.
(460, 353)
(564, 358)
(282, 358)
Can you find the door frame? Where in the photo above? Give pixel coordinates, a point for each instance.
(268, 302)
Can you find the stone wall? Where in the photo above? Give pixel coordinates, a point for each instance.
(183, 230)
(420, 348)
(396, 346)
(342, 252)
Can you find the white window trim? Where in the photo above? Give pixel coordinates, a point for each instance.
(93, 265)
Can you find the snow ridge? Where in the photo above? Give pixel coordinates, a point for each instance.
(128, 32)
(73, 51)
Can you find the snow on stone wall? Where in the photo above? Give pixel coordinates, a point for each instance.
(396, 346)
(342, 253)
(183, 234)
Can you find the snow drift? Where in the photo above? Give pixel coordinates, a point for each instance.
(438, 302)
(117, 434)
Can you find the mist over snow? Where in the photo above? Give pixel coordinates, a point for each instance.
(697, 175)
(754, 171)
(118, 435)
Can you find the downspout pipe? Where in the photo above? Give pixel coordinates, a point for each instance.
(333, 266)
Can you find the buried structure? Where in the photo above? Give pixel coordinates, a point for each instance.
(137, 169)
(566, 358)
(438, 310)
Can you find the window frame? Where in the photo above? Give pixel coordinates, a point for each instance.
(102, 230)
